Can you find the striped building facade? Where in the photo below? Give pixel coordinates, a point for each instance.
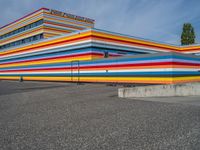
(41, 24)
(93, 55)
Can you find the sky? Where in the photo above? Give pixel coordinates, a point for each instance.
(158, 20)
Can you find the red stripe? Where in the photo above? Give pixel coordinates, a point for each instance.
(24, 17)
(43, 46)
(142, 64)
(58, 57)
(104, 66)
(145, 45)
(150, 46)
(63, 25)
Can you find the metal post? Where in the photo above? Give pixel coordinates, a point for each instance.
(21, 79)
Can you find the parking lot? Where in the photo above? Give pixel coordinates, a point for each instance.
(43, 115)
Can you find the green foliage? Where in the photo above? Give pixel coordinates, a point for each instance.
(188, 34)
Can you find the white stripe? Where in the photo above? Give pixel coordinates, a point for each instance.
(104, 71)
(47, 48)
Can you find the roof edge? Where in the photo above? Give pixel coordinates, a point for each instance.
(43, 8)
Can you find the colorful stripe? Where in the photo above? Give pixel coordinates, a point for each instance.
(79, 57)
(147, 68)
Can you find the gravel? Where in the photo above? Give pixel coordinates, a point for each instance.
(56, 116)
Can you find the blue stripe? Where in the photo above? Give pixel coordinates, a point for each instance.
(53, 54)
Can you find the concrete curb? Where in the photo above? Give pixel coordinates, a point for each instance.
(188, 89)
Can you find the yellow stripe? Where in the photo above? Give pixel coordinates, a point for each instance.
(189, 47)
(80, 58)
(60, 39)
(23, 35)
(22, 21)
(148, 43)
(9, 78)
(68, 23)
(168, 79)
(186, 78)
(47, 35)
(89, 24)
(106, 35)
(54, 30)
(161, 80)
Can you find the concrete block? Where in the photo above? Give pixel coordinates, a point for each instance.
(188, 89)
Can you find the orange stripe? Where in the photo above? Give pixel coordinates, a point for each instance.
(45, 46)
(23, 35)
(21, 21)
(47, 43)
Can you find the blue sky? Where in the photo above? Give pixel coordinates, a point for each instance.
(159, 20)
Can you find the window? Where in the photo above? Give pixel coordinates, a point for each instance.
(23, 41)
(27, 27)
(34, 38)
(41, 36)
(106, 54)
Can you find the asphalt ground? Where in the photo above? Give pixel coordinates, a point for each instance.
(56, 116)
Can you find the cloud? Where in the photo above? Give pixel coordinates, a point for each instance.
(158, 20)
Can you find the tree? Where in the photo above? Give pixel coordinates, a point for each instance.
(188, 34)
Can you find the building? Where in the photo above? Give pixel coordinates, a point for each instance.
(41, 24)
(93, 55)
